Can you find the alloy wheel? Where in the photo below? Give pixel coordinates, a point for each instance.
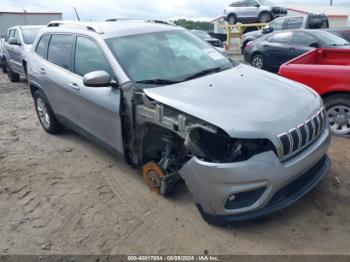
(258, 62)
(43, 113)
(339, 119)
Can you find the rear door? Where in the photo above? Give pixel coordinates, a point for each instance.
(57, 72)
(276, 48)
(95, 110)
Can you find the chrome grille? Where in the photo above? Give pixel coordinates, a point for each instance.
(297, 138)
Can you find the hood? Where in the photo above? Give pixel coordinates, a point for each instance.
(245, 102)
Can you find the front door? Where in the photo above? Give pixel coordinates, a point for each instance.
(94, 110)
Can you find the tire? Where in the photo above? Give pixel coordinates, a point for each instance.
(338, 113)
(4, 66)
(232, 19)
(45, 114)
(13, 77)
(265, 17)
(258, 61)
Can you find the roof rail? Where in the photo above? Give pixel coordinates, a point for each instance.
(146, 20)
(75, 24)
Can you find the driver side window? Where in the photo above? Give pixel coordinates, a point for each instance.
(88, 58)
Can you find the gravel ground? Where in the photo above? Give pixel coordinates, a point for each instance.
(64, 195)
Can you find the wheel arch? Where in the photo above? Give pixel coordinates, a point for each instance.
(334, 93)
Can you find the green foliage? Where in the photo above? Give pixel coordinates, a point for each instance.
(188, 24)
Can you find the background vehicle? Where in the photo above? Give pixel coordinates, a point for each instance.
(253, 11)
(18, 42)
(311, 21)
(2, 40)
(177, 108)
(327, 71)
(273, 50)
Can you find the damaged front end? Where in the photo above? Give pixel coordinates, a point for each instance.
(165, 139)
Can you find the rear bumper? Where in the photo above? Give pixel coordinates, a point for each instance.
(281, 183)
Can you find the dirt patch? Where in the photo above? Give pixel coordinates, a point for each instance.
(64, 195)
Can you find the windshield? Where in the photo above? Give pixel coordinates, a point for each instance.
(29, 35)
(329, 39)
(202, 34)
(166, 57)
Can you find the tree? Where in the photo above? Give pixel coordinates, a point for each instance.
(189, 24)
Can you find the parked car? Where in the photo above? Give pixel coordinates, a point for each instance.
(310, 21)
(273, 50)
(253, 11)
(174, 106)
(327, 71)
(18, 42)
(2, 40)
(343, 32)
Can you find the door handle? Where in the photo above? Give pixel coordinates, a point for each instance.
(266, 46)
(42, 71)
(292, 49)
(74, 86)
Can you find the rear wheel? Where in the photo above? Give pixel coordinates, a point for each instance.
(14, 77)
(258, 61)
(232, 19)
(338, 113)
(265, 17)
(46, 116)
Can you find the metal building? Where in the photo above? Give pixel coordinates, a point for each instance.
(9, 19)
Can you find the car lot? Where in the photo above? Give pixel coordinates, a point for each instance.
(64, 195)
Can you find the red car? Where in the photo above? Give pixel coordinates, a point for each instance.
(327, 71)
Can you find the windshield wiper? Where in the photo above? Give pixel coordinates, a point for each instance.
(203, 73)
(157, 82)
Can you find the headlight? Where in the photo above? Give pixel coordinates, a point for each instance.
(220, 148)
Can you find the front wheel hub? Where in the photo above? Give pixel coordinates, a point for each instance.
(153, 175)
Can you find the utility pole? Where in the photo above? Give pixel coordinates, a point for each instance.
(331, 2)
(76, 13)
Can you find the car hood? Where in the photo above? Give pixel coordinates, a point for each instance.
(245, 102)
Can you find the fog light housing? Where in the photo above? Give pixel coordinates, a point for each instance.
(244, 199)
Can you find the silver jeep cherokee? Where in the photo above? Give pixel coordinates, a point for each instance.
(246, 142)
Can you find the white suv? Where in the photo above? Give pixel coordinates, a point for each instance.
(253, 11)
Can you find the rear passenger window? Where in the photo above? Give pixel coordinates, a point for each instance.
(294, 23)
(89, 58)
(41, 48)
(60, 50)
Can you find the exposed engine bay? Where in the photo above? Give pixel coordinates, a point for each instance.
(161, 140)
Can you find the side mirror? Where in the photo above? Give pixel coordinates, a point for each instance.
(257, 5)
(315, 45)
(267, 30)
(98, 79)
(13, 41)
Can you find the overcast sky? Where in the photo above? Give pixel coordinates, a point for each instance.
(164, 9)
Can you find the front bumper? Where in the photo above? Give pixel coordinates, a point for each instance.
(213, 184)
